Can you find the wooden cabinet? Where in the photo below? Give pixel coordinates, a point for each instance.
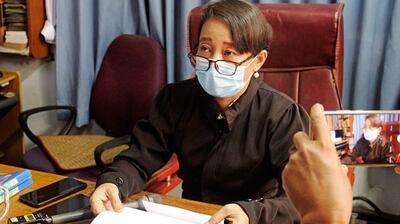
(11, 137)
(36, 16)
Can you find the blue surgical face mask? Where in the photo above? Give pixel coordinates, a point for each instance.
(219, 85)
(371, 135)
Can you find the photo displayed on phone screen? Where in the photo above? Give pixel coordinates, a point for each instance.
(366, 137)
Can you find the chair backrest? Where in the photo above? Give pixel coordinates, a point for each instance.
(306, 56)
(131, 75)
(390, 131)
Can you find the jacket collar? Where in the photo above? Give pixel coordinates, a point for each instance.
(230, 114)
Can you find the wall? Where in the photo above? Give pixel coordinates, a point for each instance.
(37, 87)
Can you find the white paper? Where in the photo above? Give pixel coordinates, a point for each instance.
(49, 30)
(131, 215)
(156, 214)
(178, 213)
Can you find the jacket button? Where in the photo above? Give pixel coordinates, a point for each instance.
(119, 181)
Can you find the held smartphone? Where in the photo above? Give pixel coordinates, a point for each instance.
(369, 138)
(52, 192)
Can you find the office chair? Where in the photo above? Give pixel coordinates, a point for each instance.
(131, 74)
(391, 132)
(306, 56)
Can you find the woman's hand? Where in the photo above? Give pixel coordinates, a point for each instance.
(231, 212)
(105, 197)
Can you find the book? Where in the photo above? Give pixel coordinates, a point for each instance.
(15, 182)
(16, 189)
(16, 37)
(12, 179)
(14, 18)
(15, 46)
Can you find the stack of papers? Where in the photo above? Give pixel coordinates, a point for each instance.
(13, 28)
(154, 214)
(17, 40)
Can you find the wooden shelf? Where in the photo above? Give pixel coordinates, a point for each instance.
(36, 16)
(11, 142)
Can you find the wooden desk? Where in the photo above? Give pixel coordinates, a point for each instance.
(41, 179)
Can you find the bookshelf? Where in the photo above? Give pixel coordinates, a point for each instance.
(35, 17)
(11, 137)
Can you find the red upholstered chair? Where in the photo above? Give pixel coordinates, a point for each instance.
(125, 87)
(390, 131)
(306, 57)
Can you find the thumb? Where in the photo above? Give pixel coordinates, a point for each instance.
(345, 169)
(218, 217)
(115, 201)
(117, 204)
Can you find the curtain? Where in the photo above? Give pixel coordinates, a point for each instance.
(372, 81)
(86, 28)
(371, 54)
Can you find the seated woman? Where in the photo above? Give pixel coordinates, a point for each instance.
(231, 132)
(371, 147)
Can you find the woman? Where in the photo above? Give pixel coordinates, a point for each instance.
(231, 132)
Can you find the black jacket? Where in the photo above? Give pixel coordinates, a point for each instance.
(376, 152)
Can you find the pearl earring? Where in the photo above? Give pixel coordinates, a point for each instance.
(256, 75)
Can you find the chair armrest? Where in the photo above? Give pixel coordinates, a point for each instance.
(126, 139)
(23, 120)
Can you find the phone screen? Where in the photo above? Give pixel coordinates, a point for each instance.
(68, 205)
(366, 137)
(52, 192)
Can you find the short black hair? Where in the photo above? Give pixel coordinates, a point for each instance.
(250, 30)
(375, 120)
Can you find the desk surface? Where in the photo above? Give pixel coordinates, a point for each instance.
(41, 179)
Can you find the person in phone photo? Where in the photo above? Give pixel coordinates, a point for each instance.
(371, 147)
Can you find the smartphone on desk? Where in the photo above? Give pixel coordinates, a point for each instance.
(52, 192)
(68, 205)
(368, 138)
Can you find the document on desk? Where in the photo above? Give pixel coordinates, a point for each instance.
(154, 214)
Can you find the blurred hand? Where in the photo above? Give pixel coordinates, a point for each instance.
(359, 160)
(397, 169)
(232, 212)
(105, 197)
(314, 179)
